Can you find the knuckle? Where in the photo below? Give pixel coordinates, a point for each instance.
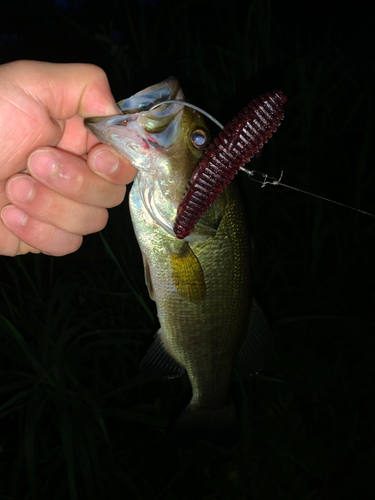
(79, 187)
(117, 197)
(100, 221)
(56, 242)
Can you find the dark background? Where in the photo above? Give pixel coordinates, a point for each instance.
(77, 420)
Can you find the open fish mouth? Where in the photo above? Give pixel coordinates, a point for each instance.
(140, 130)
(141, 102)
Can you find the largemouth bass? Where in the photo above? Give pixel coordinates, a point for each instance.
(201, 285)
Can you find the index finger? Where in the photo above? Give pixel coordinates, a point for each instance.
(37, 97)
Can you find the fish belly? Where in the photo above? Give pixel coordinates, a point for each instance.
(205, 335)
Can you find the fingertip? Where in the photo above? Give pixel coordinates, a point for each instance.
(13, 217)
(72, 243)
(105, 162)
(108, 163)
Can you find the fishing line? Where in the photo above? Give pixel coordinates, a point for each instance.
(184, 103)
(266, 178)
(276, 182)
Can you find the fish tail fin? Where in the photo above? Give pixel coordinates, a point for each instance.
(218, 426)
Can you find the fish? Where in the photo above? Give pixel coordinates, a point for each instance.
(209, 321)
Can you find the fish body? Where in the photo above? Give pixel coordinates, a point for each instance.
(201, 284)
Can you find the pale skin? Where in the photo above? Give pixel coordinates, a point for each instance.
(71, 179)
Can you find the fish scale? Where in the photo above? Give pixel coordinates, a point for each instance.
(218, 323)
(201, 284)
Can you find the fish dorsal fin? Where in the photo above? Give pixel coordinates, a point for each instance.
(257, 347)
(158, 363)
(148, 281)
(188, 274)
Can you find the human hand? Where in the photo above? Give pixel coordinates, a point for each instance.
(67, 191)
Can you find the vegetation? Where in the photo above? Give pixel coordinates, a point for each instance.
(77, 420)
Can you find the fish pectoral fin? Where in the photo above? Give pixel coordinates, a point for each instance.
(257, 347)
(158, 363)
(202, 232)
(148, 281)
(188, 274)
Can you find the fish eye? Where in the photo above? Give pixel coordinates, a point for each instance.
(199, 138)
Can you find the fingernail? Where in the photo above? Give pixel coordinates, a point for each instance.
(21, 189)
(105, 162)
(13, 216)
(42, 164)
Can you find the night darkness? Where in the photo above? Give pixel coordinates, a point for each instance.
(77, 419)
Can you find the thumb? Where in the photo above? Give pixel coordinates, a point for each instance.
(35, 100)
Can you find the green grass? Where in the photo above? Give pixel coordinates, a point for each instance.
(77, 420)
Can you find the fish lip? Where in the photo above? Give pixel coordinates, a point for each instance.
(147, 98)
(109, 129)
(141, 102)
(127, 131)
(100, 123)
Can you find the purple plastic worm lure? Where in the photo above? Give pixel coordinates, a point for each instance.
(241, 139)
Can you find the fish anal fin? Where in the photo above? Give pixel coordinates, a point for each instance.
(188, 274)
(158, 363)
(257, 347)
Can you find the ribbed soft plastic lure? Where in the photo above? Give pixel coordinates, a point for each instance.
(241, 139)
